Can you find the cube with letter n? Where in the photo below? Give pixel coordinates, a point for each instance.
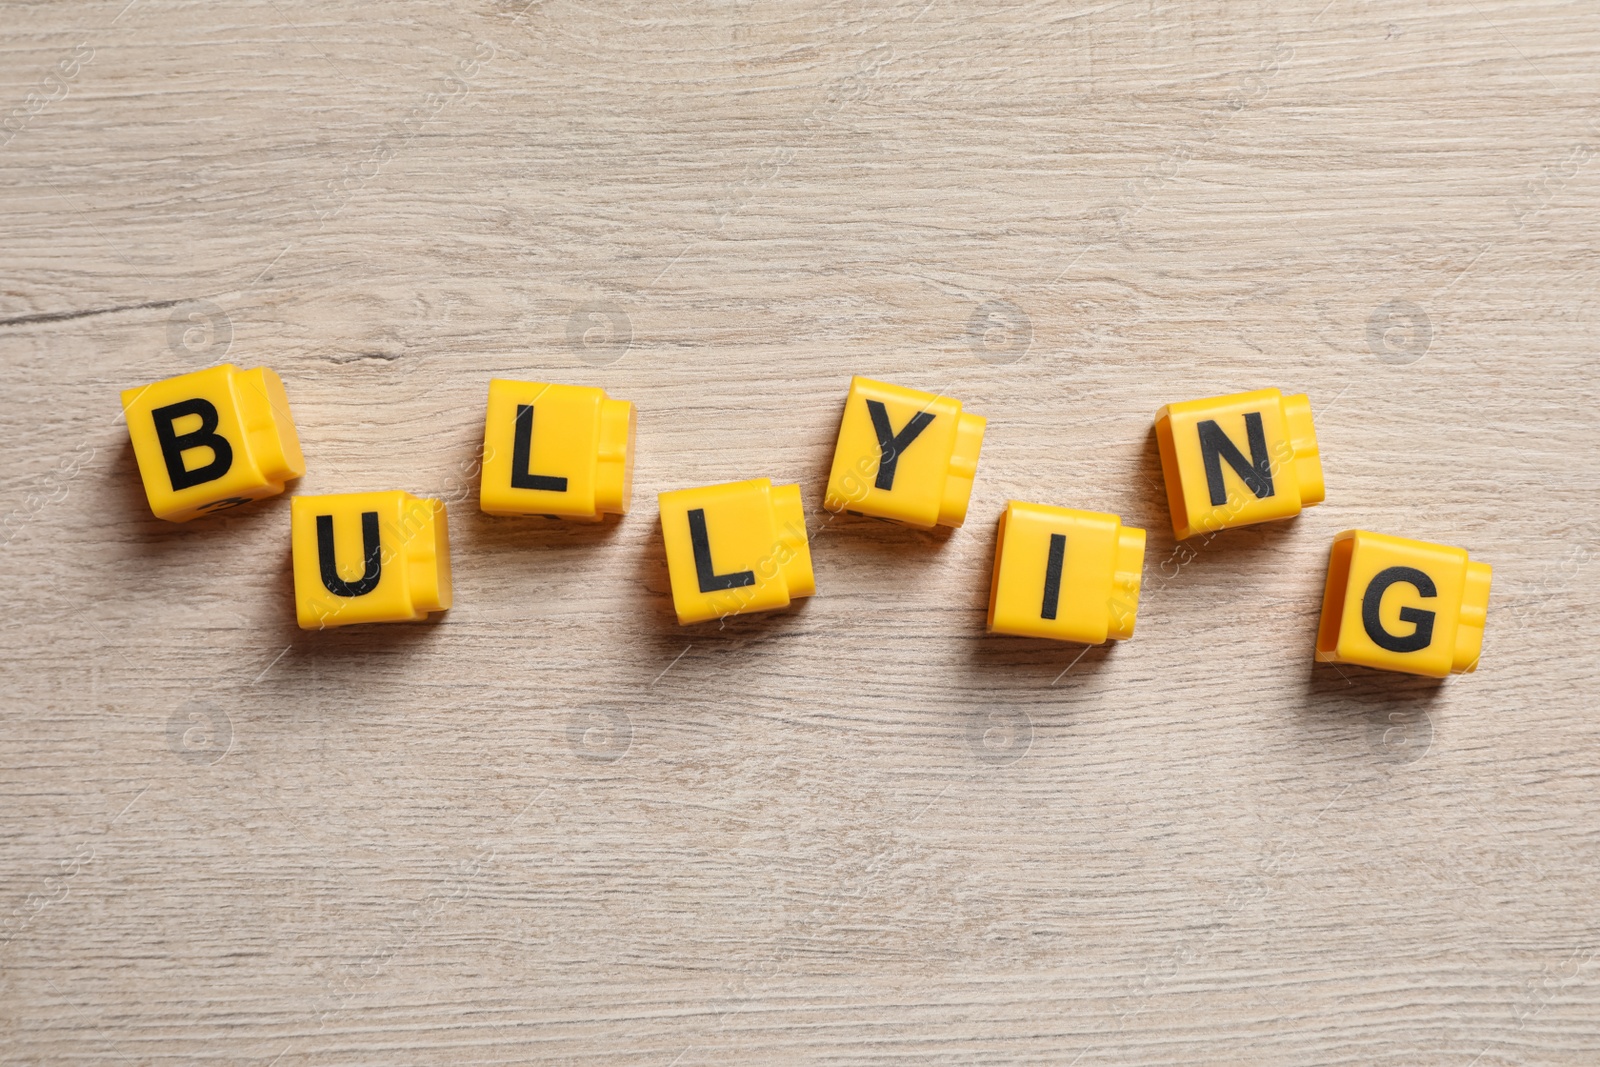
(1237, 460)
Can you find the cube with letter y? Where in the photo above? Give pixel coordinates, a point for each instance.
(212, 440)
(735, 548)
(368, 557)
(1237, 460)
(903, 455)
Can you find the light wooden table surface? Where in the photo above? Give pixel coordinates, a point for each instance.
(555, 827)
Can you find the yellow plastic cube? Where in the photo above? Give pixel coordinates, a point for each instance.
(212, 440)
(562, 451)
(905, 456)
(1237, 460)
(1402, 605)
(735, 548)
(368, 557)
(1065, 574)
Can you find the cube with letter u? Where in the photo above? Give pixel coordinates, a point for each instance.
(368, 557)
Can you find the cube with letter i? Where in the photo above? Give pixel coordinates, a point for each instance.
(1065, 574)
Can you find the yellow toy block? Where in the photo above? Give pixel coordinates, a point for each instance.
(212, 440)
(562, 451)
(905, 456)
(1237, 460)
(1402, 605)
(1065, 574)
(735, 548)
(368, 557)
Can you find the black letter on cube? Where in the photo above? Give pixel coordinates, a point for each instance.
(1417, 639)
(891, 444)
(1052, 575)
(1256, 471)
(330, 567)
(522, 459)
(174, 445)
(710, 580)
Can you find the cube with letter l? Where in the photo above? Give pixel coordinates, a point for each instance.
(734, 548)
(562, 451)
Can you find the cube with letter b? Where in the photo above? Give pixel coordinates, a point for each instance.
(1237, 460)
(735, 548)
(368, 557)
(1065, 574)
(212, 440)
(562, 451)
(1402, 605)
(906, 456)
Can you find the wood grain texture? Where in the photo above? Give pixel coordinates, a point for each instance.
(553, 826)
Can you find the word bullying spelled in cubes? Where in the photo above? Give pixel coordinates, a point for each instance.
(221, 437)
